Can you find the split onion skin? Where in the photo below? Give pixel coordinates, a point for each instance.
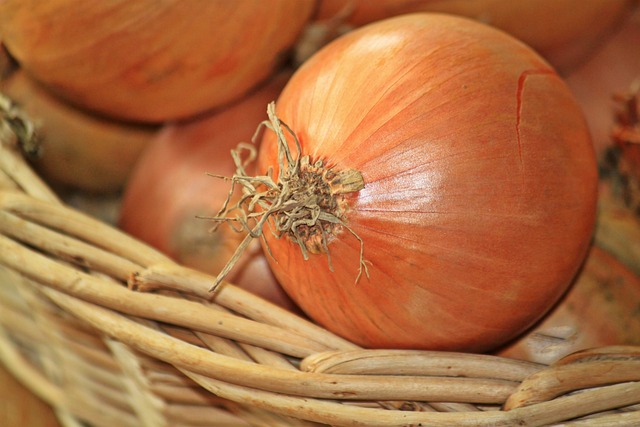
(170, 187)
(565, 32)
(150, 60)
(79, 150)
(480, 184)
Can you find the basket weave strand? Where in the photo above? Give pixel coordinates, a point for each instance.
(112, 332)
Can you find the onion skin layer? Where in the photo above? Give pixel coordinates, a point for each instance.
(150, 60)
(480, 184)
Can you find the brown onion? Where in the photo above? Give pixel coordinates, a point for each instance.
(78, 149)
(455, 158)
(151, 60)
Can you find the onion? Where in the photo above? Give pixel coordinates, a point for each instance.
(170, 187)
(602, 308)
(610, 72)
(480, 185)
(151, 60)
(78, 149)
(608, 89)
(563, 31)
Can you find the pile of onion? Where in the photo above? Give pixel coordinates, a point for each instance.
(151, 60)
(171, 187)
(430, 183)
(565, 32)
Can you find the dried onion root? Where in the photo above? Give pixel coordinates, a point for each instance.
(303, 203)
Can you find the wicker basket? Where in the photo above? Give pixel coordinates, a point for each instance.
(112, 333)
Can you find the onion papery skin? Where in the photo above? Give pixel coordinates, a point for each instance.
(171, 186)
(565, 32)
(480, 184)
(79, 150)
(151, 60)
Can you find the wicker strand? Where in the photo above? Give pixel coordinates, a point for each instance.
(419, 362)
(29, 375)
(153, 306)
(30, 219)
(15, 169)
(350, 387)
(181, 279)
(332, 413)
(628, 419)
(558, 380)
(148, 408)
(247, 353)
